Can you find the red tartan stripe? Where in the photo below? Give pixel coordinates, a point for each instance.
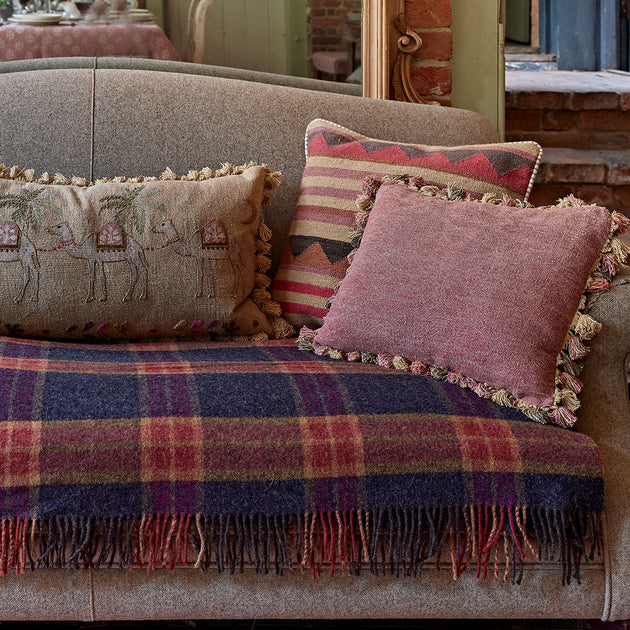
(151, 346)
(184, 367)
(189, 449)
(482, 443)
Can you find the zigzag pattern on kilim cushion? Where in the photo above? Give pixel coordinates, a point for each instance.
(226, 454)
(338, 160)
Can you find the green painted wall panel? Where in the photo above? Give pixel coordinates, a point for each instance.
(157, 8)
(478, 59)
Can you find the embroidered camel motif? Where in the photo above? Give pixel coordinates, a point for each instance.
(97, 256)
(15, 246)
(207, 245)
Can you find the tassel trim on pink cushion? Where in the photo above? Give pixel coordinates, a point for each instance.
(583, 328)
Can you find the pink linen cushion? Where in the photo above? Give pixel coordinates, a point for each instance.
(488, 297)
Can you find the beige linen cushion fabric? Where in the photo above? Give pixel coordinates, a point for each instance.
(137, 258)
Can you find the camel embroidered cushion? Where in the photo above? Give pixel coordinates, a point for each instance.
(137, 258)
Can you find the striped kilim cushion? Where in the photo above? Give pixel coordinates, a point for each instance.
(229, 454)
(337, 162)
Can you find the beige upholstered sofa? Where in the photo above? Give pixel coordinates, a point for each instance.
(95, 118)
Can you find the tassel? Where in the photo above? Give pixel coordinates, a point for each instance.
(532, 412)
(563, 417)
(619, 250)
(259, 296)
(508, 201)
(281, 328)
(483, 390)
(336, 354)
(264, 232)
(271, 308)
(430, 191)
(273, 179)
(570, 382)
(597, 283)
(567, 364)
(370, 186)
(455, 194)
(61, 180)
(439, 373)
(586, 327)
(400, 363)
(492, 198)
(457, 379)
(420, 367)
(363, 204)
(262, 280)
(569, 399)
(569, 202)
(577, 350)
(621, 221)
(609, 265)
(263, 263)
(306, 338)
(502, 397)
(263, 247)
(16, 173)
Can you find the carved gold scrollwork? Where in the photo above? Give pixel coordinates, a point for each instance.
(408, 43)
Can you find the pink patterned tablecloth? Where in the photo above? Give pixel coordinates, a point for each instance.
(18, 41)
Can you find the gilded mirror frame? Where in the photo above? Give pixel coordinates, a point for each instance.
(379, 46)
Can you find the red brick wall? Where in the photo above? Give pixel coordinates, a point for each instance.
(584, 137)
(581, 120)
(431, 19)
(431, 68)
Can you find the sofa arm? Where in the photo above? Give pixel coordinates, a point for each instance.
(605, 416)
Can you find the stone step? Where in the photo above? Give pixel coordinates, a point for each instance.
(597, 176)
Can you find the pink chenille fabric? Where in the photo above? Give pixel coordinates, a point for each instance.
(484, 290)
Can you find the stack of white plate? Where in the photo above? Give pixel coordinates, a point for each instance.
(38, 19)
(133, 15)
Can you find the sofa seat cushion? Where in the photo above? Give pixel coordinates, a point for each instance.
(223, 453)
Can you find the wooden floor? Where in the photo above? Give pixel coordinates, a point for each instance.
(490, 624)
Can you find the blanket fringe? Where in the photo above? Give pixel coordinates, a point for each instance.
(395, 542)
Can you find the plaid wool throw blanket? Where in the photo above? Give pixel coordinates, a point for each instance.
(234, 454)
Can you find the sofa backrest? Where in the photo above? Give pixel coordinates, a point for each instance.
(94, 119)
